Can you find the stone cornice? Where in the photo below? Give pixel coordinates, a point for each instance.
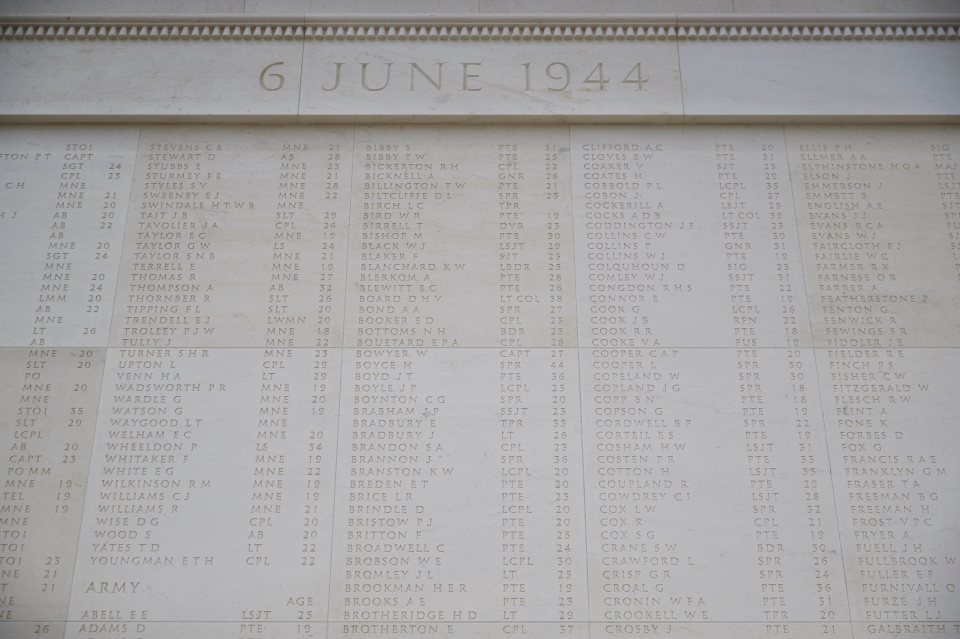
(724, 27)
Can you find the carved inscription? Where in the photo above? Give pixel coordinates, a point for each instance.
(458, 381)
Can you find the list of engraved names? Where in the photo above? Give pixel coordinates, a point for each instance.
(464, 381)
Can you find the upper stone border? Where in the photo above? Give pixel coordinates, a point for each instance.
(714, 28)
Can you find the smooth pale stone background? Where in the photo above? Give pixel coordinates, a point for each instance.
(85, 233)
(896, 202)
(502, 79)
(161, 79)
(750, 80)
(741, 80)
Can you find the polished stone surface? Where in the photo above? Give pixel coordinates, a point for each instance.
(478, 381)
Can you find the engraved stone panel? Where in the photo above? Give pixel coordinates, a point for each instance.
(479, 381)
(588, 65)
(475, 79)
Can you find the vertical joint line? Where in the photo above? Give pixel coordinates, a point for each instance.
(103, 374)
(576, 335)
(683, 106)
(303, 52)
(816, 371)
(343, 351)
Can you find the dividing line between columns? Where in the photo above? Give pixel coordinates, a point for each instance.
(816, 371)
(576, 335)
(343, 331)
(103, 376)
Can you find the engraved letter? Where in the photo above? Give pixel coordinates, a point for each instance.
(363, 77)
(439, 81)
(276, 77)
(467, 76)
(336, 79)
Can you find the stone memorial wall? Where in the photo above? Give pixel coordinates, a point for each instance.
(477, 381)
